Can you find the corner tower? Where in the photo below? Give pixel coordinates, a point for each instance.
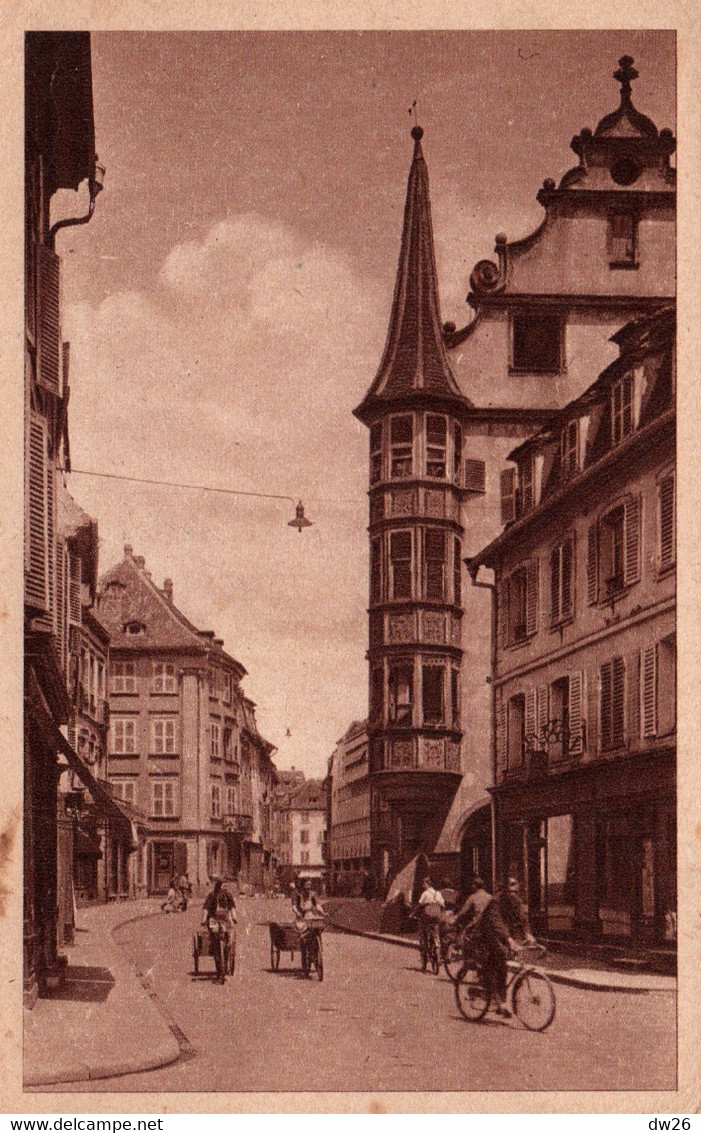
(417, 478)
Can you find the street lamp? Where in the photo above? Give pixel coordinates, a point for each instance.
(96, 183)
(300, 519)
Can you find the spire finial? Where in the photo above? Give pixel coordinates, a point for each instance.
(624, 75)
(416, 131)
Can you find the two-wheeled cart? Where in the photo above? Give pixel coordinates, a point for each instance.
(290, 938)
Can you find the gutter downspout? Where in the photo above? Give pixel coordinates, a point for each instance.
(473, 572)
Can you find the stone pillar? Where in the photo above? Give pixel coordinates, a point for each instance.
(587, 926)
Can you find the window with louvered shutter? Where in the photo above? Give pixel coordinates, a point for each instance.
(632, 537)
(507, 483)
(525, 485)
(503, 613)
(592, 563)
(561, 559)
(36, 515)
(61, 618)
(612, 704)
(436, 442)
(667, 522)
(501, 726)
(542, 711)
(518, 606)
(434, 565)
(49, 334)
(75, 606)
(400, 559)
(622, 409)
(574, 739)
(530, 724)
(457, 453)
(532, 597)
(648, 691)
(401, 444)
(516, 730)
(475, 476)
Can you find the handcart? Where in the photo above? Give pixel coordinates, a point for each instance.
(202, 946)
(290, 938)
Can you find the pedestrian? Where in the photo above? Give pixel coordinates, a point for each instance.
(219, 917)
(172, 903)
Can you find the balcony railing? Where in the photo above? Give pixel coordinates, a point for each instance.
(238, 823)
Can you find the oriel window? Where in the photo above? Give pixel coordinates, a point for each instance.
(432, 685)
(400, 561)
(436, 441)
(401, 446)
(434, 565)
(401, 695)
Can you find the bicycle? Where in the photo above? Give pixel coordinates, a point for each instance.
(528, 989)
(429, 946)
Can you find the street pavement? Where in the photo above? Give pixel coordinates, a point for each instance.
(376, 1022)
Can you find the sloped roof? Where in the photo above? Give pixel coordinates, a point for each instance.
(414, 360)
(312, 796)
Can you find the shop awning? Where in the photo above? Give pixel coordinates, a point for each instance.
(101, 796)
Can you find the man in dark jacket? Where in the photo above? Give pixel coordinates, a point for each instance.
(486, 938)
(219, 917)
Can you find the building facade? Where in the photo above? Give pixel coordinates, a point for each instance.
(446, 408)
(184, 747)
(349, 802)
(59, 154)
(300, 831)
(584, 684)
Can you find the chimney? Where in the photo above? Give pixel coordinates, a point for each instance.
(168, 589)
(128, 551)
(140, 561)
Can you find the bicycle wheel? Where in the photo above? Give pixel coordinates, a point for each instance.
(471, 997)
(452, 959)
(534, 1000)
(319, 962)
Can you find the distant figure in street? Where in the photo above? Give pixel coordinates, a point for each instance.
(429, 907)
(185, 886)
(173, 902)
(306, 907)
(219, 917)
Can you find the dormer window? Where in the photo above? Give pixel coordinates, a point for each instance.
(569, 445)
(525, 485)
(134, 629)
(401, 446)
(536, 341)
(623, 240)
(622, 409)
(436, 441)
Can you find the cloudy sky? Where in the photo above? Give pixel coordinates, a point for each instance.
(227, 306)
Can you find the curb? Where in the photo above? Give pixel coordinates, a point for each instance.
(582, 982)
(167, 1051)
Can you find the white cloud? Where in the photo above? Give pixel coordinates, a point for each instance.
(240, 369)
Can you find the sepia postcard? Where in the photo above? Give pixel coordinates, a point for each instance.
(343, 526)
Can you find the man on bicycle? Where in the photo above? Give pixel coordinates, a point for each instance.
(429, 907)
(219, 917)
(486, 940)
(514, 914)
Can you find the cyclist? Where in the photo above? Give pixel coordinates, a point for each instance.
(514, 914)
(429, 908)
(219, 917)
(486, 939)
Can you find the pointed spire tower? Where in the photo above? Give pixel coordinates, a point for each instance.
(414, 411)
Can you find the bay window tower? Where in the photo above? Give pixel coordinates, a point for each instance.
(417, 477)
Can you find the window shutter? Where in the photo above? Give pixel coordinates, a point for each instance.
(542, 711)
(566, 570)
(648, 682)
(530, 721)
(60, 620)
(576, 714)
(476, 477)
(667, 533)
(36, 517)
(507, 482)
(532, 596)
(503, 613)
(555, 584)
(51, 534)
(632, 539)
(606, 702)
(618, 702)
(48, 369)
(74, 595)
(502, 735)
(592, 563)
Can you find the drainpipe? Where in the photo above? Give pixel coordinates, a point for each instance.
(473, 569)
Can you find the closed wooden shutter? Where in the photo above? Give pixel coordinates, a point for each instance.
(618, 702)
(60, 626)
(566, 571)
(632, 539)
(648, 690)
(502, 733)
(74, 591)
(542, 711)
(503, 613)
(49, 337)
(576, 714)
(606, 679)
(36, 516)
(555, 584)
(507, 482)
(667, 533)
(530, 720)
(476, 477)
(592, 563)
(532, 596)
